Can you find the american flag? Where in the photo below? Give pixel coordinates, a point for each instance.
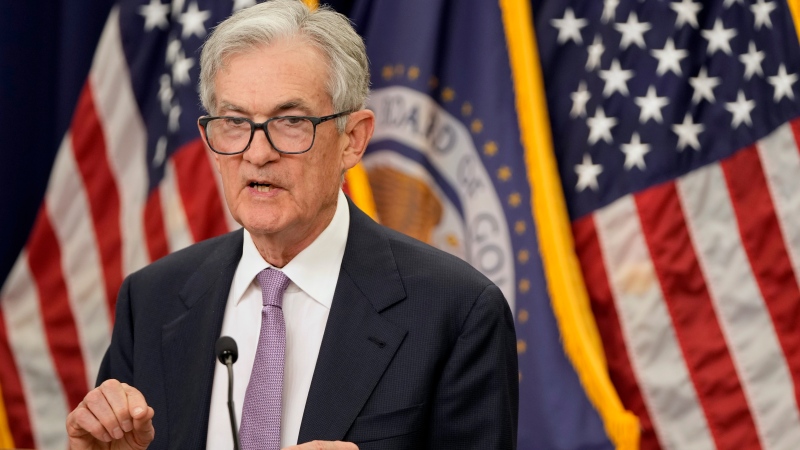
(676, 130)
(131, 182)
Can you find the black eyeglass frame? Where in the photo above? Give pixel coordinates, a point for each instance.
(203, 121)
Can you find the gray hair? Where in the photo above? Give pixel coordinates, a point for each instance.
(328, 31)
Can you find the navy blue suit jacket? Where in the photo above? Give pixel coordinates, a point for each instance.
(419, 350)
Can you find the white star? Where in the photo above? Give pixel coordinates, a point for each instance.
(782, 82)
(752, 61)
(173, 50)
(241, 4)
(669, 58)
(161, 151)
(719, 38)
(596, 50)
(177, 7)
(687, 133)
(569, 28)
(609, 10)
(728, 3)
(587, 174)
(180, 69)
(687, 13)
(741, 109)
(761, 12)
(192, 21)
(165, 93)
(600, 127)
(579, 100)
(155, 15)
(616, 79)
(703, 86)
(634, 152)
(632, 31)
(174, 117)
(651, 105)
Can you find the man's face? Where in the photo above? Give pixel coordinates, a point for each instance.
(273, 195)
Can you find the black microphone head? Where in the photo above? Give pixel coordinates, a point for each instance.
(225, 347)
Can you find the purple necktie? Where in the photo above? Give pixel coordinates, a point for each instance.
(261, 413)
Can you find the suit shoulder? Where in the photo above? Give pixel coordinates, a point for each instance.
(424, 262)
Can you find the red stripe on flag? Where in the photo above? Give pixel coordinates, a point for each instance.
(702, 342)
(13, 395)
(761, 236)
(44, 257)
(796, 130)
(587, 246)
(154, 227)
(201, 201)
(88, 145)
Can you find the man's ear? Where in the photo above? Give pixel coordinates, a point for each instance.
(358, 132)
(205, 144)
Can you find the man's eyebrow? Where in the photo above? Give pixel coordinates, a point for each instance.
(293, 104)
(280, 108)
(230, 107)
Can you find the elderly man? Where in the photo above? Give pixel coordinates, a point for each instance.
(347, 331)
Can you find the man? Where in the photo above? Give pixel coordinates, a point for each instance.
(382, 341)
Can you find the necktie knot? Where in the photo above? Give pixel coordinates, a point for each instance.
(273, 282)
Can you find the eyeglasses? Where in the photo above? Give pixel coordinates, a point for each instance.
(230, 135)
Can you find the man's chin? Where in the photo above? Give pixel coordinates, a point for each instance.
(265, 222)
(261, 229)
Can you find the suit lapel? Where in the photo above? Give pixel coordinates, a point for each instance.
(188, 344)
(358, 343)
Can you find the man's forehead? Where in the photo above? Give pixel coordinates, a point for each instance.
(287, 47)
(265, 62)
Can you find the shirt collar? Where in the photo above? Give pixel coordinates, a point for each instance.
(315, 270)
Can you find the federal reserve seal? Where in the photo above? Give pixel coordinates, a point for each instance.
(429, 182)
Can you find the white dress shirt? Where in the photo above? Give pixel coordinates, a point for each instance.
(306, 304)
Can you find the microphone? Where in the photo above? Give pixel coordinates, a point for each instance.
(228, 353)
(226, 349)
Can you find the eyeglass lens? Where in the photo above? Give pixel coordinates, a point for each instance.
(288, 135)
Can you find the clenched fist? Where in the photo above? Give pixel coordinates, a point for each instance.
(113, 415)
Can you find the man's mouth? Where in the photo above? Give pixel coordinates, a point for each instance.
(261, 187)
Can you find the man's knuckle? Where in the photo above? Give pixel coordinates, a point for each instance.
(74, 419)
(120, 410)
(109, 384)
(92, 398)
(94, 427)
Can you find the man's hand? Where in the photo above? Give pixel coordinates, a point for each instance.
(111, 416)
(324, 445)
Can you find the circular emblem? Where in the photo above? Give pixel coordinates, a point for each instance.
(429, 182)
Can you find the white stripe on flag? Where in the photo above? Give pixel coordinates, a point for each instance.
(126, 143)
(740, 308)
(68, 207)
(46, 400)
(656, 356)
(780, 158)
(176, 225)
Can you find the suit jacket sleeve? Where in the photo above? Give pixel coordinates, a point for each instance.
(476, 403)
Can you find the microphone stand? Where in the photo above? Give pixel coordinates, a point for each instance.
(231, 410)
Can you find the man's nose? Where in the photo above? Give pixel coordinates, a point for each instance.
(260, 151)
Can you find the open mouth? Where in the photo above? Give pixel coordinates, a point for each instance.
(261, 187)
